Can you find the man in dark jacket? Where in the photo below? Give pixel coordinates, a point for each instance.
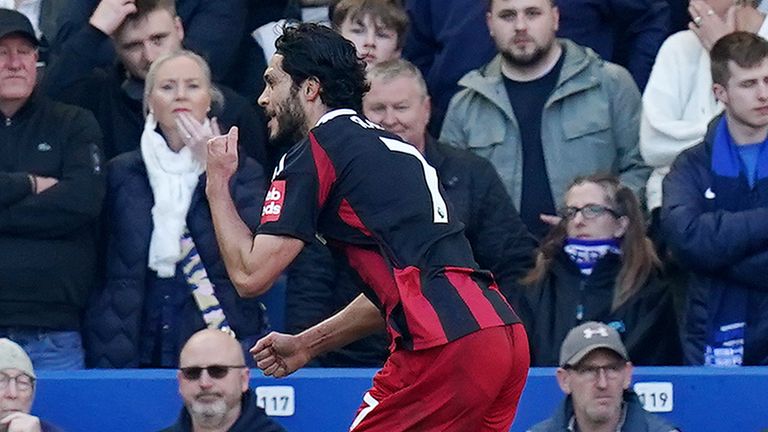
(398, 101)
(51, 191)
(595, 373)
(141, 31)
(715, 213)
(213, 382)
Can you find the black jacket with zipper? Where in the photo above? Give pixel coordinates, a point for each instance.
(48, 240)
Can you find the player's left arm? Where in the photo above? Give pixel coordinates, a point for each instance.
(253, 263)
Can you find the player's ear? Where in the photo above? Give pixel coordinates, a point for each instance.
(311, 89)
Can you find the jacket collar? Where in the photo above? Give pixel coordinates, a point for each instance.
(28, 108)
(433, 155)
(489, 82)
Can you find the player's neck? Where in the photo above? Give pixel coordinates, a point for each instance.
(313, 113)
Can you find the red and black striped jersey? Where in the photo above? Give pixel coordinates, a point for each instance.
(375, 198)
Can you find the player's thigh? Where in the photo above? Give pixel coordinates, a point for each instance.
(444, 388)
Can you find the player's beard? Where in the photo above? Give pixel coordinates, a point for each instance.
(291, 120)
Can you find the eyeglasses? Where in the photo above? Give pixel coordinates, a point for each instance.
(592, 372)
(589, 211)
(23, 382)
(193, 373)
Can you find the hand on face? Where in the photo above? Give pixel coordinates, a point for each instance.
(196, 135)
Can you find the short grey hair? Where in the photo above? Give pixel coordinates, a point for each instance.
(397, 68)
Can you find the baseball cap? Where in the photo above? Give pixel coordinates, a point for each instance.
(588, 337)
(12, 21)
(12, 356)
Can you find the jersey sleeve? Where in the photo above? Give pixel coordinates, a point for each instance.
(291, 206)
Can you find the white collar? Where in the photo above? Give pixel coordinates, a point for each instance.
(330, 115)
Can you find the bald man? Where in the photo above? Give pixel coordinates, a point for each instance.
(213, 382)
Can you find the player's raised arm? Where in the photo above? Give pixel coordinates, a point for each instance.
(253, 263)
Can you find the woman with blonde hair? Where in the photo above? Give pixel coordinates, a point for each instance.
(165, 278)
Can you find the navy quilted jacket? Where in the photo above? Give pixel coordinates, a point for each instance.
(114, 316)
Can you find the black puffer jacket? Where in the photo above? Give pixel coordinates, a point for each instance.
(646, 321)
(114, 315)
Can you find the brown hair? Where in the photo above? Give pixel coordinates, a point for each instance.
(638, 257)
(743, 48)
(144, 8)
(390, 12)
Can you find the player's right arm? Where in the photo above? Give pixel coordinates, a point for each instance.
(253, 263)
(279, 354)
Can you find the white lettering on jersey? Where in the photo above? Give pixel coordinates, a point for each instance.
(365, 123)
(439, 208)
(280, 167)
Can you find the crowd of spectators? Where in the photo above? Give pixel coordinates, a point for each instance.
(551, 125)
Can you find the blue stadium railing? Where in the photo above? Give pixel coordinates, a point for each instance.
(696, 399)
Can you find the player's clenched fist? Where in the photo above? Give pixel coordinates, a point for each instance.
(222, 159)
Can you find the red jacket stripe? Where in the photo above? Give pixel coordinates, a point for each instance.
(349, 216)
(423, 321)
(326, 173)
(470, 292)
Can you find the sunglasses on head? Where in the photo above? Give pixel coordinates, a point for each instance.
(193, 373)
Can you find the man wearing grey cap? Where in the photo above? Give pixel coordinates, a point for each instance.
(51, 189)
(17, 391)
(595, 373)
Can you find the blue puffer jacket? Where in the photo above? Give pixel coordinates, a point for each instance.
(114, 316)
(718, 227)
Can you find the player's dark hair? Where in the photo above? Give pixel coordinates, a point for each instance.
(315, 51)
(743, 48)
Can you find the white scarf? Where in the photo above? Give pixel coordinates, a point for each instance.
(173, 178)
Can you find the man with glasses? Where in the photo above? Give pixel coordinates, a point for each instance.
(595, 373)
(213, 382)
(17, 391)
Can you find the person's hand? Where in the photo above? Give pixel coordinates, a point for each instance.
(550, 220)
(40, 184)
(110, 14)
(221, 161)
(707, 25)
(279, 354)
(195, 135)
(20, 422)
(749, 19)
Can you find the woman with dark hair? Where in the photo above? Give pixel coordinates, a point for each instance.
(598, 264)
(165, 278)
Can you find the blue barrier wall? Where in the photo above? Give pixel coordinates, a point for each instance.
(702, 399)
